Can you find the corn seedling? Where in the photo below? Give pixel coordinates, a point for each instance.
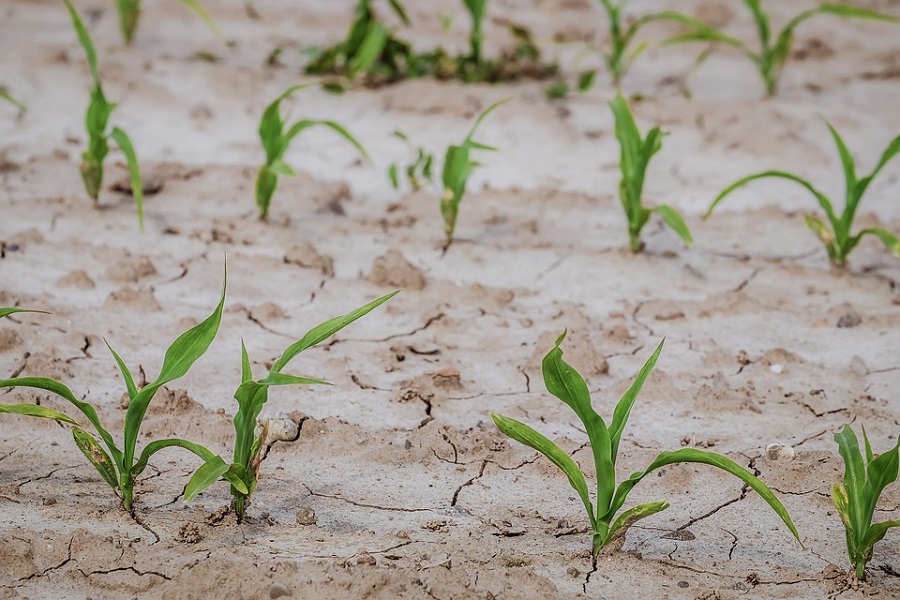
(838, 239)
(4, 95)
(372, 53)
(774, 50)
(419, 169)
(565, 383)
(623, 50)
(251, 396)
(276, 138)
(635, 156)
(120, 468)
(130, 13)
(369, 49)
(855, 499)
(96, 121)
(458, 166)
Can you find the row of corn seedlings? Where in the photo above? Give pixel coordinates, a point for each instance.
(276, 136)
(855, 498)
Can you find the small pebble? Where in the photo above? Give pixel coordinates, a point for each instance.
(306, 516)
(777, 369)
(366, 559)
(780, 452)
(849, 319)
(279, 590)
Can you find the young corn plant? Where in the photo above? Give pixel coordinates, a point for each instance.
(370, 49)
(96, 122)
(623, 50)
(855, 499)
(837, 235)
(774, 50)
(276, 138)
(636, 153)
(419, 169)
(120, 467)
(130, 13)
(458, 166)
(565, 383)
(251, 396)
(477, 12)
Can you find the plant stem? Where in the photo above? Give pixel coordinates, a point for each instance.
(239, 507)
(860, 570)
(597, 545)
(127, 497)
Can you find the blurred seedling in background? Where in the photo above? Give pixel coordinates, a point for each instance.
(4, 95)
(565, 383)
(121, 468)
(276, 138)
(369, 49)
(856, 498)
(635, 157)
(96, 122)
(373, 54)
(837, 234)
(130, 13)
(623, 49)
(458, 166)
(419, 169)
(251, 396)
(774, 50)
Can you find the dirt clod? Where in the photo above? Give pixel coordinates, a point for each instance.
(279, 590)
(306, 516)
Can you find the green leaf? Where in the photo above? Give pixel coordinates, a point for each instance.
(890, 241)
(209, 473)
(880, 473)
(279, 167)
(183, 353)
(33, 410)
(524, 434)
(854, 477)
(97, 456)
(85, 39)
(153, 447)
(586, 80)
(246, 371)
(692, 455)
(4, 95)
(371, 48)
(564, 382)
(626, 402)
(134, 169)
(55, 387)
(846, 160)
(877, 533)
(633, 515)
(890, 152)
(201, 12)
(483, 116)
(325, 330)
(284, 379)
(824, 202)
(847, 10)
(400, 11)
(126, 374)
(342, 131)
(675, 222)
(842, 504)
(5, 312)
(394, 176)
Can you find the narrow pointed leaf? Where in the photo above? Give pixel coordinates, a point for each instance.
(325, 330)
(632, 515)
(33, 410)
(524, 434)
(97, 456)
(134, 169)
(209, 473)
(674, 220)
(126, 374)
(692, 455)
(626, 402)
(5, 312)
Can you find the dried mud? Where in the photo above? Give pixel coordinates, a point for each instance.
(397, 484)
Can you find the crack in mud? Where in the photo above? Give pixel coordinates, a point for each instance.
(587, 577)
(455, 498)
(137, 519)
(59, 566)
(740, 287)
(130, 568)
(428, 323)
(363, 504)
(823, 413)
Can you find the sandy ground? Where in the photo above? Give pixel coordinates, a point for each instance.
(415, 493)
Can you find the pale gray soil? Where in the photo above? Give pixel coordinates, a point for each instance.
(415, 492)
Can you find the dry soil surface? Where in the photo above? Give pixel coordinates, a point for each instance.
(397, 484)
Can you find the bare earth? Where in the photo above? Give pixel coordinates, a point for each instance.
(415, 494)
